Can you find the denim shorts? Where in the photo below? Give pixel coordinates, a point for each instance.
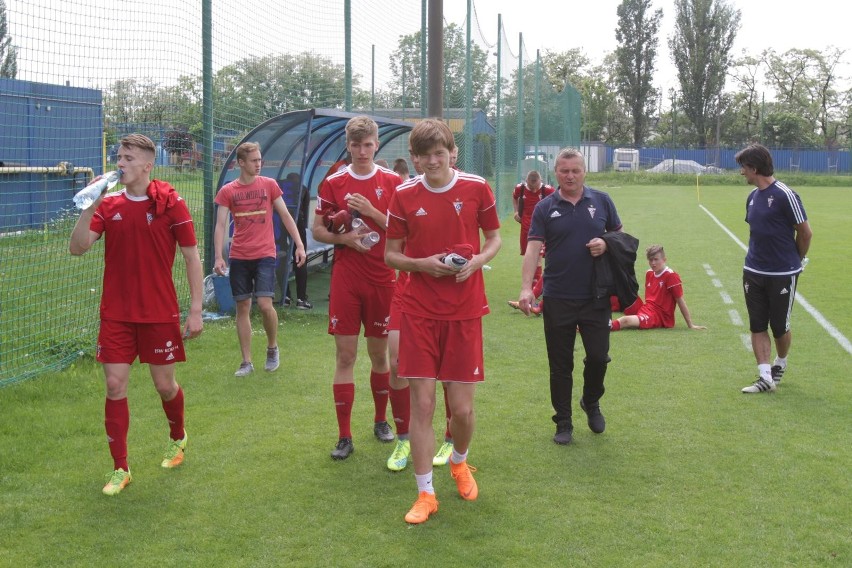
(252, 277)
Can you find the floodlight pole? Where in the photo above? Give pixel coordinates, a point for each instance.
(436, 58)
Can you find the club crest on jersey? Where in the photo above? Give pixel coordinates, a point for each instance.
(150, 217)
(592, 211)
(457, 205)
(379, 192)
(769, 201)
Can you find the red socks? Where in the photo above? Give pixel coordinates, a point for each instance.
(380, 385)
(401, 408)
(117, 423)
(344, 396)
(174, 412)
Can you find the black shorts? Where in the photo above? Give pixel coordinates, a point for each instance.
(769, 301)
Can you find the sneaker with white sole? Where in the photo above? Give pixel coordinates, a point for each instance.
(272, 360)
(245, 369)
(760, 385)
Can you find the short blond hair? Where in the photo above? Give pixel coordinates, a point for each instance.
(360, 128)
(139, 141)
(654, 250)
(246, 148)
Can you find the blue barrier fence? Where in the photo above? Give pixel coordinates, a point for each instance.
(785, 159)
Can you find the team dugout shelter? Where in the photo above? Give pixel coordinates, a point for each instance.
(306, 143)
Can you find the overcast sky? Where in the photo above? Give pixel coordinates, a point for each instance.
(560, 26)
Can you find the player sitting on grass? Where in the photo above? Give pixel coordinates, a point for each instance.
(663, 289)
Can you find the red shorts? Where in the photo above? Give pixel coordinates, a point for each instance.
(395, 314)
(649, 318)
(353, 302)
(153, 343)
(447, 350)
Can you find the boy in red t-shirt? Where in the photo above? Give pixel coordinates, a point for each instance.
(253, 254)
(441, 212)
(524, 199)
(663, 289)
(142, 225)
(361, 283)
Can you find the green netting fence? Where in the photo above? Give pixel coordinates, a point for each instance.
(196, 77)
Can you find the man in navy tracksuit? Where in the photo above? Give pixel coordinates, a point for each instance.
(569, 224)
(779, 238)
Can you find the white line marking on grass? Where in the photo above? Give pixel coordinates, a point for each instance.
(735, 317)
(717, 283)
(820, 319)
(726, 298)
(746, 338)
(709, 270)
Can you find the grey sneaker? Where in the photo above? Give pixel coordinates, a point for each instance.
(343, 448)
(303, 305)
(245, 369)
(564, 433)
(596, 421)
(760, 385)
(383, 432)
(272, 361)
(777, 373)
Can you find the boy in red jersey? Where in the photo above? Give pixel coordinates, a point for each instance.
(143, 225)
(429, 216)
(524, 199)
(663, 289)
(253, 254)
(361, 283)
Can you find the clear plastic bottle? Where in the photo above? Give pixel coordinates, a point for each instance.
(370, 239)
(360, 226)
(89, 194)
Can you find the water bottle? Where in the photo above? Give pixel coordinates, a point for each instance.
(89, 194)
(360, 226)
(370, 239)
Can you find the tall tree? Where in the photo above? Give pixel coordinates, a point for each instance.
(701, 45)
(407, 56)
(8, 52)
(744, 107)
(806, 84)
(635, 55)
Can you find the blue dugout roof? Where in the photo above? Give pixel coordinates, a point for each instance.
(306, 142)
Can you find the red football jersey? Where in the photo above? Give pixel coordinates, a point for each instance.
(139, 253)
(378, 187)
(662, 291)
(432, 220)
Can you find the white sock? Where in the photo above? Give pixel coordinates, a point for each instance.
(424, 483)
(765, 371)
(457, 457)
(781, 362)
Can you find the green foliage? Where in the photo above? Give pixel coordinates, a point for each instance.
(689, 471)
(405, 62)
(704, 35)
(8, 52)
(636, 56)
